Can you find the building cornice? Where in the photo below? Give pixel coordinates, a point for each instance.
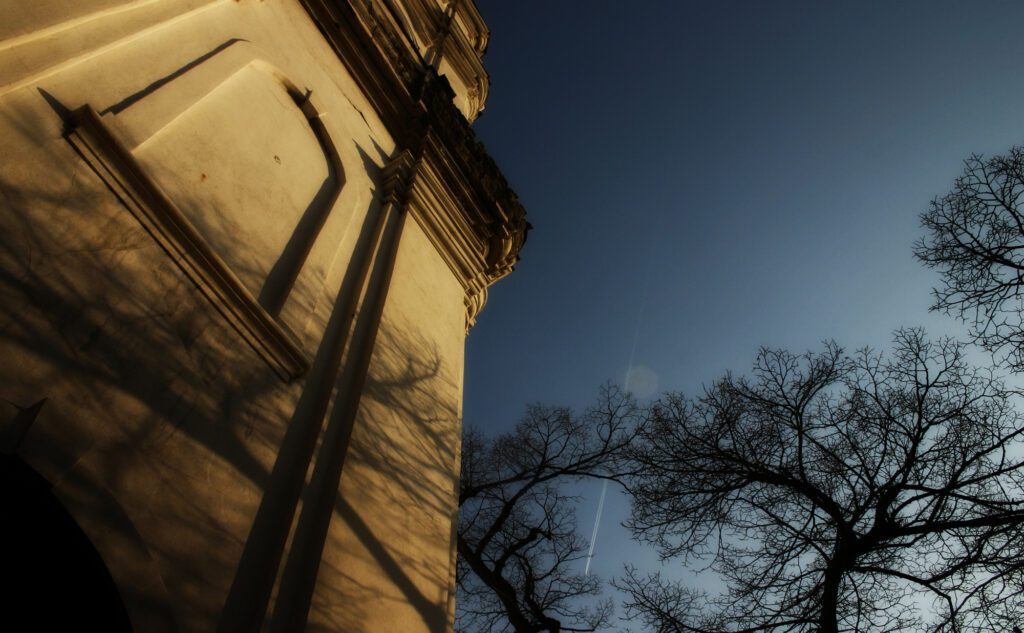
(459, 195)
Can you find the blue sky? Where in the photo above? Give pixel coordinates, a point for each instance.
(757, 166)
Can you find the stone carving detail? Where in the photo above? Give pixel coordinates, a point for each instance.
(475, 301)
(492, 222)
(477, 95)
(502, 252)
(509, 217)
(399, 55)
(398, 175)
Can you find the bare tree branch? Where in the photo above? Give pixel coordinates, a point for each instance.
(519, 552)
(976, 242)
(827, 489)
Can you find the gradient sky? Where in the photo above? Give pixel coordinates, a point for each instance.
(709, 177)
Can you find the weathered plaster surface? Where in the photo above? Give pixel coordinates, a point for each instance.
(187, 456)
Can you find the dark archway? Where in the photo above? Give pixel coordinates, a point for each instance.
(53, 577)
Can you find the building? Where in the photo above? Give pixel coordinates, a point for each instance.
(242, 244)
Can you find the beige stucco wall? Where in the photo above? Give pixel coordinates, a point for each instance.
(383, 570)
(162, 426)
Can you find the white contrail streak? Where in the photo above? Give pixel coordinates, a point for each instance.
(597, 523)
(629, 372)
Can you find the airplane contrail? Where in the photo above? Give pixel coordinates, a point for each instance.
(629, 374)
(597, 522)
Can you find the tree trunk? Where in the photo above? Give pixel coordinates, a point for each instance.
(829, 620)
(502, 588)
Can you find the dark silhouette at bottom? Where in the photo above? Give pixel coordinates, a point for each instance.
(53, 577)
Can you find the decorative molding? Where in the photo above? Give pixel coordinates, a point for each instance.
(462, 46)
(477, 95)
(399, 47)
(448, 30)
(398, 175)
(356, 41)
(475, 261)
(130, 182)
(27, 59)
(495, 213)
(460, 197)
(475, 302)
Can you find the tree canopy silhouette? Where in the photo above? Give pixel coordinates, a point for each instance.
(519, 552)
(834, 492)
(976, 242)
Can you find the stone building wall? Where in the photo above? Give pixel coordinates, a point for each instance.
(241, 244)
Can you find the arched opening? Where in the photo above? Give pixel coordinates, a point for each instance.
(53, 577)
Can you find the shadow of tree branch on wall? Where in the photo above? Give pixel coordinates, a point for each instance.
(401, 462)
(145, 388)
(164, 432)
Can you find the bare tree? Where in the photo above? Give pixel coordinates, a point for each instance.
(976, 241)
(519, 552)
(835, 492)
